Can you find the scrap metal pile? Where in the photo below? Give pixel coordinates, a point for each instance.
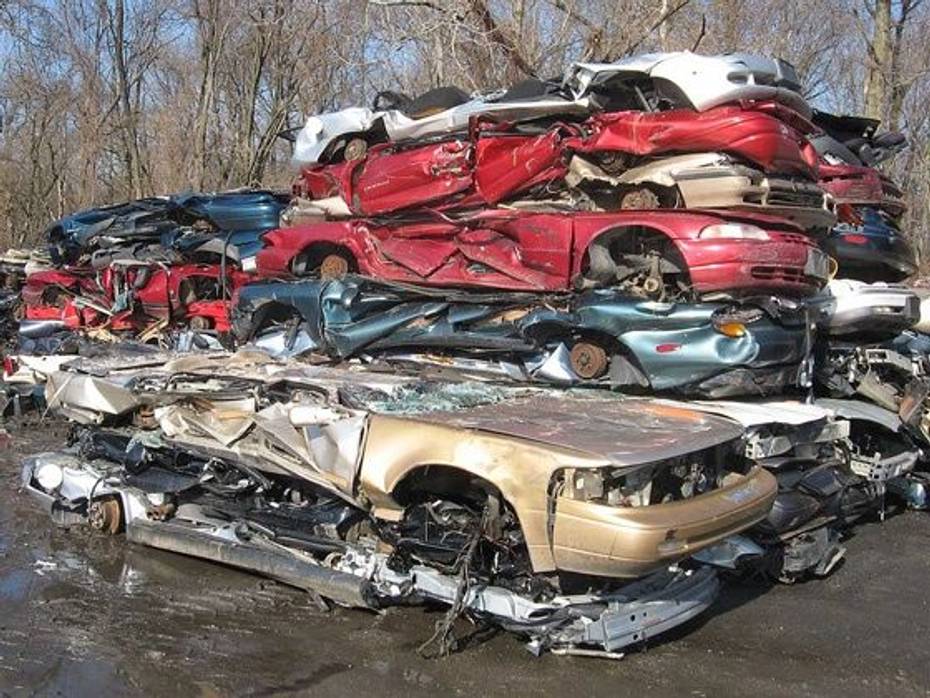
(556, 357)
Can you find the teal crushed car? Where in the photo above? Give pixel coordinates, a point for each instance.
(600, 338)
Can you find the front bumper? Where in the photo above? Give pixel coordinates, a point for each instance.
(728, 187)
(613, 541)
(787, 265)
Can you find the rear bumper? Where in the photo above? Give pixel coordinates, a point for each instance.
(613, 541)
(884, 312)
(875, 260)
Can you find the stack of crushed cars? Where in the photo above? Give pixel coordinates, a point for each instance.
(553, 356)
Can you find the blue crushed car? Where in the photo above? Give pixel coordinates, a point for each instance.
(182, 224)
(872, 248)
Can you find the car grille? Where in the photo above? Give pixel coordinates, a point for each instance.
(783, 274)
(787, 197)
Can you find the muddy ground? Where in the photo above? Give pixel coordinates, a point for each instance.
(82, 614)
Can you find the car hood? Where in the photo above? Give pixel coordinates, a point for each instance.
(624, 432)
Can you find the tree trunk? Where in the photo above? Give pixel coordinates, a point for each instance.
(881, 56)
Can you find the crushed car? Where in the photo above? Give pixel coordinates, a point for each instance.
(836, 461)
(131, 296)
(651, 82)
(528, 513)
(479, 170)
(660, 254)
(851, 308)
(154, 226)
(704, 180)
(850, 147)
(758, 347)
(868, 246)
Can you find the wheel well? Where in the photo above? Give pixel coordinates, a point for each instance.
(271, 312)
(633, 240)
(610, 344)
(335, 149)
(609, 249)
(668, 196)
(449, 482)
(308, 260)
(198, 287)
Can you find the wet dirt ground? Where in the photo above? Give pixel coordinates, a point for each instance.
(82, 614)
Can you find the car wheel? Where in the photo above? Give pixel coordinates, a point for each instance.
(334, 266)
(355, 149)
(589, 360)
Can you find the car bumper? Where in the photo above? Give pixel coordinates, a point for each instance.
(727, 187)
(874, 260)
(742, 267)
(884, 312)
(613, 541)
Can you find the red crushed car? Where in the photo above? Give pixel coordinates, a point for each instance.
(494, 163)
(656, 252)
(131, 295)
(50, 294)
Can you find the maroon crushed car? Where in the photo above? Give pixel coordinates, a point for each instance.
(657, 253)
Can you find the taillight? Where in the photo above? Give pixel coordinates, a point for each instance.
(855, 239)
(10, 365)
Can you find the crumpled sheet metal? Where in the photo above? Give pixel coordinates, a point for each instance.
(756, 133)
(34, 370)
(88, 399)
(316, 441)
(226, 421)
(675, 346)
(703, 82)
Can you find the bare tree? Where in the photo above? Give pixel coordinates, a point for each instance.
(101, 100)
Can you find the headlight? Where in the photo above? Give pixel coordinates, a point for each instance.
(733, 231)
(49, 476)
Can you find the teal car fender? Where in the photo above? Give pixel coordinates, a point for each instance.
(677, 344)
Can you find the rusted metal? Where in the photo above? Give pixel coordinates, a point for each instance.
(105, 515)
(334, 266)
(589, 360)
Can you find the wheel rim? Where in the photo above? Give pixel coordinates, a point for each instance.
(334, 266)
(641, 198)
(199, 322)
(355, 149)
(588, 360)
